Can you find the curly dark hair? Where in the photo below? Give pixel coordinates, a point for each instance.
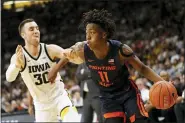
(102, 18)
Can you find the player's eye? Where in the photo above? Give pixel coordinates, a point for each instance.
(92, 33)
(31, 29)
(37, 28)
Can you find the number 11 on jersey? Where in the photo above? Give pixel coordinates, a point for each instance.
(103, 76)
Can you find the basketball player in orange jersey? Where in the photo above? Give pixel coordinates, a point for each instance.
(107, 60)
(33, 62)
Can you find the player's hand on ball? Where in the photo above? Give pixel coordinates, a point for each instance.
(19, 57)
(148, 106)
(172, 82)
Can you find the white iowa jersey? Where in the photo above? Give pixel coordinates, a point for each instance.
(35, 74)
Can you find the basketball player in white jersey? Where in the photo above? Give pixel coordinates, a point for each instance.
(33, 62)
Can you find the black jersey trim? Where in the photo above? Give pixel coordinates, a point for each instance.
(31, 55)
(48, 53)
(122, 53)
(24, 64)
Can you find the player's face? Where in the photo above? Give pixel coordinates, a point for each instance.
(94, 35)
(31, 33)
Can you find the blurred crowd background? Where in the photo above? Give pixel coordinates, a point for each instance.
(155, 30)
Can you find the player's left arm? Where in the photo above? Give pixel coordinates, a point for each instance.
(72, 54)
(127, 55)
(55, 51)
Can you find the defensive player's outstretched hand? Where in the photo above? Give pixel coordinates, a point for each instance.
(19, 57)
(52, 75)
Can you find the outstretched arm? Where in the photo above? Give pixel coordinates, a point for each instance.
(73, 54)
(128, 56)
(16, 64)
(76, 53)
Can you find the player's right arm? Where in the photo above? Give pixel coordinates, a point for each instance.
(75, 52)
(16, 65)
(127, 55)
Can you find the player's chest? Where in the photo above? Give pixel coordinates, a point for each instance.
(35, 66)
(104, 69)
(108, 65)
(104, 72)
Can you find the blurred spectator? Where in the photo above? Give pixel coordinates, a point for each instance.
(6, 107)
(143, 89)
(77, 99)
(24, 103)
(165, 75)
(178, 85)
(180, 108)
(14, 106)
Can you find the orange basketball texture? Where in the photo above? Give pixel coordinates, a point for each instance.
(163, 95)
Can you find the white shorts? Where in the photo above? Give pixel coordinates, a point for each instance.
(55, 107)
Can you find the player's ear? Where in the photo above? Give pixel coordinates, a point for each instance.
(22, 35)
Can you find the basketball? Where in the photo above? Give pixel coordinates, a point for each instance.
(163, 95)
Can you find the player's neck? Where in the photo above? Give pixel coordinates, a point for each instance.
(102, 50)
(33, 50)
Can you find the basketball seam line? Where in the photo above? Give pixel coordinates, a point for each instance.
(153, 90)
(168, 92)
(160, 95)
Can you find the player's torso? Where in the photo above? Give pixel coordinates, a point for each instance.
(109, 74)
(35, 75)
